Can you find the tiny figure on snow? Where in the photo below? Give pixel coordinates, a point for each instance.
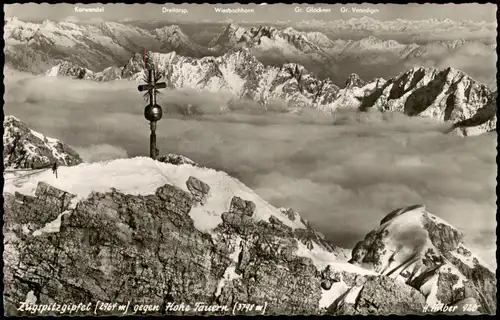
(54, 168)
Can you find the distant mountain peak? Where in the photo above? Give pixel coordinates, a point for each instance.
(354, 81)
(232, 26)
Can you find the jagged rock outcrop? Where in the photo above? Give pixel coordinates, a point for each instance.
(153, 247)
(173, 39)
(133, 66)
(379, 295)
(114, 246)
(94, 47)
(199, 190)
(428, 254)
(30, 44)
(27, 149)
(227, 38)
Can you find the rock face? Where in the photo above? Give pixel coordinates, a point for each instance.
(199, 189)
(120, 247)
(68, 69)
(263, 64)
(428, 254)
(27, 149)
(484, 120)
(189, 240)
(227, 38)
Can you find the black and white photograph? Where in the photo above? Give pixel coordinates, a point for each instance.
(249, 159)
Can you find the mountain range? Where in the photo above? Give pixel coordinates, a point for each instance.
(445, 94)
(264, 64)
(161, 232)
(31, 46)
(398, 25)
(315, 50)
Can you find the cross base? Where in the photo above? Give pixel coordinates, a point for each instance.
(153, 152)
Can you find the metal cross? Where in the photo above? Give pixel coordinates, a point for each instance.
(152, 112)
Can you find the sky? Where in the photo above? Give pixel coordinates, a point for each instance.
(263, 13)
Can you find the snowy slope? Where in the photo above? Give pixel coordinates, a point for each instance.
(173, 39)
(241, 74)
(332, 54)
(97, 46)
(289, 40)
(142, 176)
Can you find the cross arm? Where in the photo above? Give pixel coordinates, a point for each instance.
(149, 86)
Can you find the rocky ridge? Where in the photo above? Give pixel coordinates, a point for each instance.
(25, 148)
(161, 233)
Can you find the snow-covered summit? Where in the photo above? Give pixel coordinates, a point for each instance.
(217, 222)
(143, 176)
(427, 253)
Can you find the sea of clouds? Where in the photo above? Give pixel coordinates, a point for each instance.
(343, 175)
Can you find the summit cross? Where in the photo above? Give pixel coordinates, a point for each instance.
(152, 112)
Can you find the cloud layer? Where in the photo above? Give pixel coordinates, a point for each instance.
(344, 175)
